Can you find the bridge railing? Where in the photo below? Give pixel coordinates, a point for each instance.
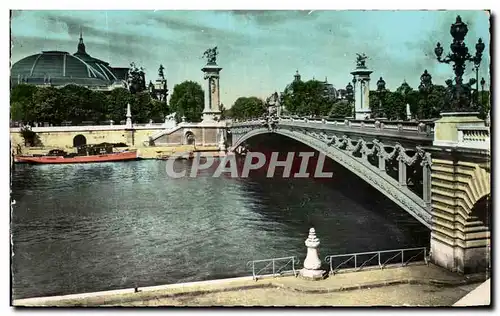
(419, 127)
(474, 137)
(358, 261)
(274, 265)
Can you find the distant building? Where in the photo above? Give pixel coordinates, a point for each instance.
(329, 90)
(158, 90)
(58, 69)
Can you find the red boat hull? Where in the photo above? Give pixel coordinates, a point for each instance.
(123, 156)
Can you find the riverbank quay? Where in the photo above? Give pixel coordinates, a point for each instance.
(157, 152)
(414, 285)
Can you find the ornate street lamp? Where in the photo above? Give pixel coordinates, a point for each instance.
(381, 92)
(349, 94)
(349, 91)
(461, 93)
(425, 88)
(483, 82)
(477, 62)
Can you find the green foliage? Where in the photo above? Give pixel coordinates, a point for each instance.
(223, 112)
(251, 107)
(307, 98)
(30, 137)
(394, 106)
(432, 104)
(49, 105)
(117, 101)
(342, 109)
(136, 79)
(484, 104)
(22, 105)
(141, 107)
(187, 100)
(77, 104)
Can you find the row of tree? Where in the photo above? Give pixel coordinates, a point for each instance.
(309, 98)
(78, 104)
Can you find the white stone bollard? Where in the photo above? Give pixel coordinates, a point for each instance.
(312, 263)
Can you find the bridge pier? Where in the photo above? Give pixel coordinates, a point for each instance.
(460, 193)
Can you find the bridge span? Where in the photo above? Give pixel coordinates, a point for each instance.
(437, 171)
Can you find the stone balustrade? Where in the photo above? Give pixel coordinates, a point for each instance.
(474, 137)
(422, 127)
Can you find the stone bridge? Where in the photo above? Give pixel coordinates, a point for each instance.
(367, 149)
(439, 172)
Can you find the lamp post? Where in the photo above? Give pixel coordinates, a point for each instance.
(424, 88)
(461, 98)
(380, 90)
(477, 62)
(404, 89)
(349, 94)
(483, 82)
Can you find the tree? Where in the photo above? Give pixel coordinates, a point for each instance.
(248, 107)
(484, 104)
(187, 100)
(116, 107)
(48, 105)
(223, 112)
(159, 110)
(342, 108)
(141, 107)
(394, 106)
(436, 102)
(30, 137)
(77, 102)
(21, 101)
(307, 98)
(135, 79)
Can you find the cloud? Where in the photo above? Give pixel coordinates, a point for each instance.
(268, 17)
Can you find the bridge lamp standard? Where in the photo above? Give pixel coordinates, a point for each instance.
(381, 90)
(404, 89)
(425, 88)
(461, 99)
(483, 82)
(349, 94)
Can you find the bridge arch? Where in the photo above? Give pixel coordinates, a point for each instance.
(391, 188)
(79, 140)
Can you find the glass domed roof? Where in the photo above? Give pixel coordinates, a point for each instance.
(62, 68)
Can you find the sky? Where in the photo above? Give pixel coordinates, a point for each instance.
(259, 51)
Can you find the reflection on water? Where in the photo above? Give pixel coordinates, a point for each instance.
(92, 227)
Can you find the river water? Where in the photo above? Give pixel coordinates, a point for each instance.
(93, 227)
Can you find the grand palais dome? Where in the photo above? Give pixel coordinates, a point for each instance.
(57, 68)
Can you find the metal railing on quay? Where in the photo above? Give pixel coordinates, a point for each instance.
(278, 266)
(357, 261)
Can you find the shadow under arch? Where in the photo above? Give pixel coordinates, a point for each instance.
(483, 210)
(406, 199)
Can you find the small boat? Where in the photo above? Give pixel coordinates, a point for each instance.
(86, 154)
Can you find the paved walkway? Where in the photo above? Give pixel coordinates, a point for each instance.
(480, 296)
(412, 285)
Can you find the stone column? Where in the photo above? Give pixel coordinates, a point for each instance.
(361, 93)
(212, 92)
(312, 263)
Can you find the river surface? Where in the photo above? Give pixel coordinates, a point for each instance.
(94, 227)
